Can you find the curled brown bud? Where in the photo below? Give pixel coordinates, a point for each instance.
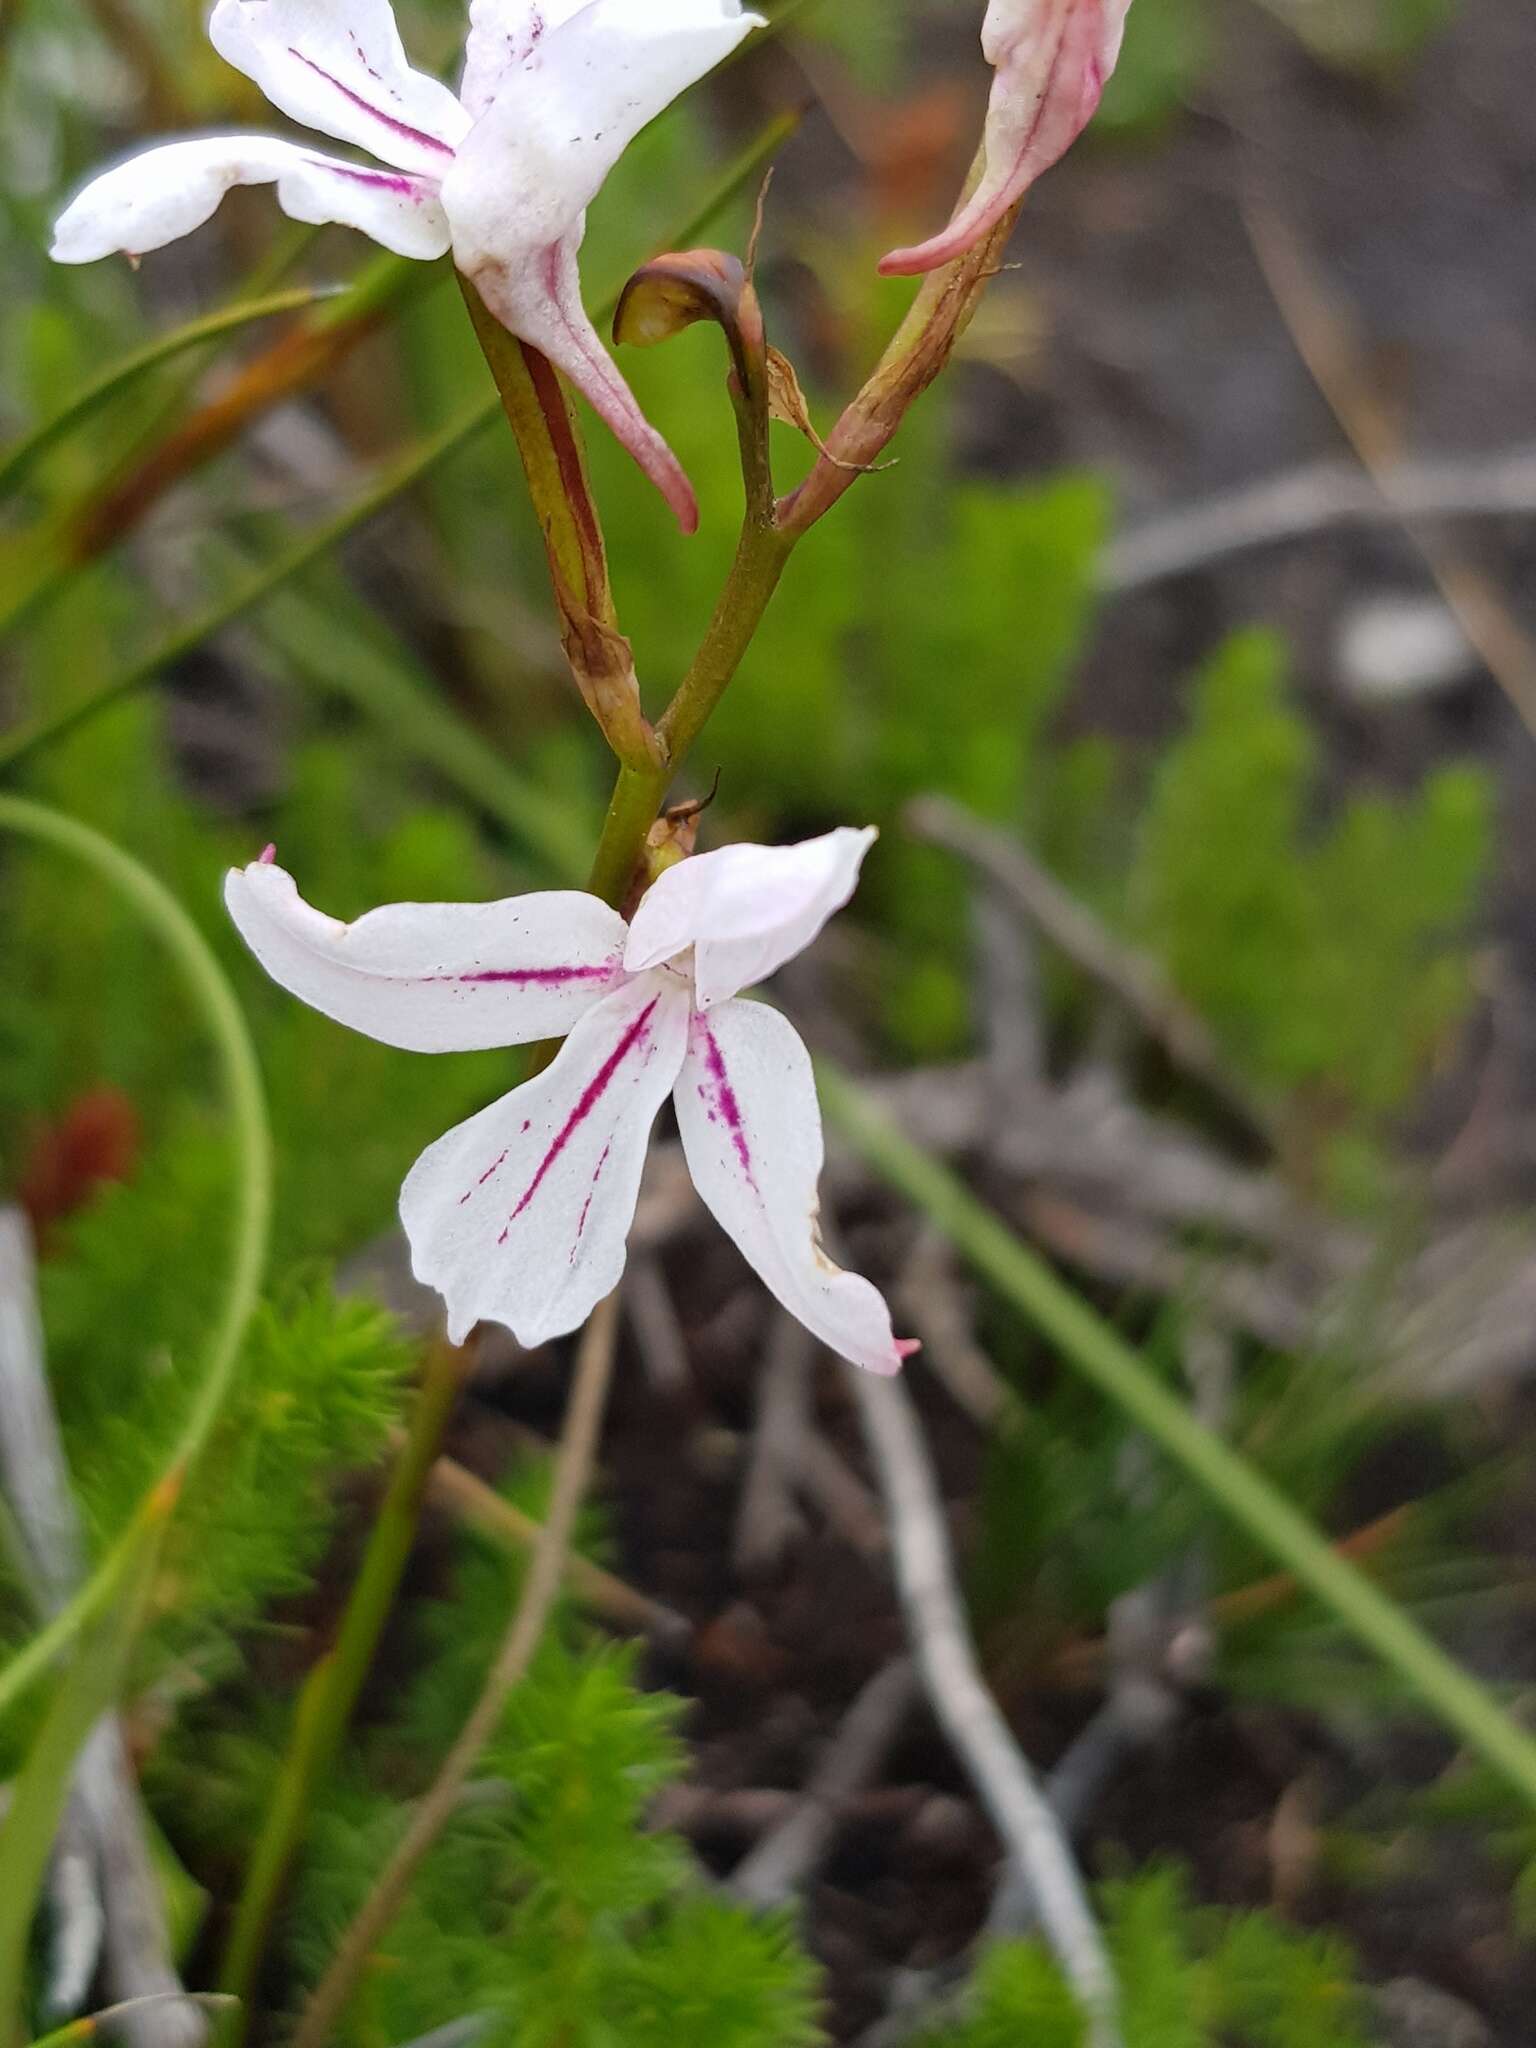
(672, 292)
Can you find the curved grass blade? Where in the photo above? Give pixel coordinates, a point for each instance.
(95, 2024)
(211, 993)
(16, 460)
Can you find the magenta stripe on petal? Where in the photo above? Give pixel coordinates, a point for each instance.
(401, 128)
(536, 977)
(592, 1095)
(399, 182)
(725, 1101)
(586, 1207)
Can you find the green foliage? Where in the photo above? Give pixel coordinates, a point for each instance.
(1377, 37)
(1170, 47)
(1190, 1977)
(1167, 51)
(317, 1392)
(1327, 958)
(549, 1904)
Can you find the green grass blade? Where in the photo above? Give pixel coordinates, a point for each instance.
(16, 460)
(1465, 1706)
(328, 651)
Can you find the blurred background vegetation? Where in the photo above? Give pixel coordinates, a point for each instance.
(1276, 774)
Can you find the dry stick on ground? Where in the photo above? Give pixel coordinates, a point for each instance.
(573, 1465)
(102, 1839)
(831, 1484)
(932, 1298)
(767, 1517)
(1134, 978)
(466, 1496)
(776, 1869)
(657, 1328)
(1306, 501)
(966, 1710)
(1321, 330)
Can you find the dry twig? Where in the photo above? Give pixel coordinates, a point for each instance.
(767, 1519)
(1310, 500)
(1133, 978)
(1322, 332)
(966, 1710)
(790, 1852)
(468, 1497)
(658, 1333)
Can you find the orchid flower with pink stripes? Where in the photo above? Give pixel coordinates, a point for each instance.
(502, 172)
(1052, 60)
(520, 1215)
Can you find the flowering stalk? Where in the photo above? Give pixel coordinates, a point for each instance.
(543, 421)
(771, 529)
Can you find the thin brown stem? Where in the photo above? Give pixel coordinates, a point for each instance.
(573, 1466)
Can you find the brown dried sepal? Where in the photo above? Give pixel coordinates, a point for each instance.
(787, 402)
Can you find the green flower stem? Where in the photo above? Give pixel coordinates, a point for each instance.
(331, 1690)
(1092, 1348)
(638, 794)
(251, 1225)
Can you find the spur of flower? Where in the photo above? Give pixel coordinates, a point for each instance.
(520, 1215)
(1052, 60)
(502, 172)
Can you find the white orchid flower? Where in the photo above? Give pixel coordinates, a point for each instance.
(520, 1215)
(1052, 60)
(552, 93)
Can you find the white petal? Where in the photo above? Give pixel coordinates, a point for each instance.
(503, 34)
(338, 65)
(751, 1129)
(1053, 59)
(556, 110)
(165, 193)
(520, 1215)
(745, 910)
(435, 977)
(564, 115)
